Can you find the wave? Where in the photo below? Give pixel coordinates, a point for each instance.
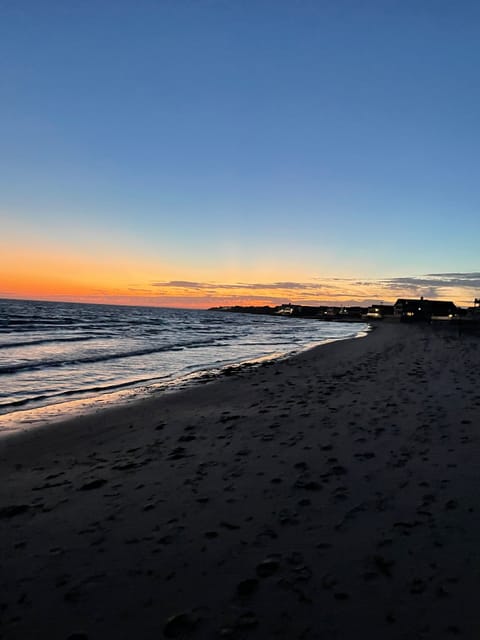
(30, 343)
(40, 322)
(47, 364)
(23, 401)
(77, 392)
(67, 351)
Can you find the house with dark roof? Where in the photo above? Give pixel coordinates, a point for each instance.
(418, 310)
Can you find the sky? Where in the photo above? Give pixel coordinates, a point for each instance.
(211, 152)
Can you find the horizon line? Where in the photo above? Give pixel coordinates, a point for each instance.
(225, 306)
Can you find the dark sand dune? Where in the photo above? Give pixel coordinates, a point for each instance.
(335, 495)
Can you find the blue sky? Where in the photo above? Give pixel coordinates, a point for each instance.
(242, 141)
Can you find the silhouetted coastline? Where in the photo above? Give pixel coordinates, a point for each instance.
(409, 310)
(325, 312)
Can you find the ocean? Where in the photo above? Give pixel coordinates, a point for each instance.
(53, 352)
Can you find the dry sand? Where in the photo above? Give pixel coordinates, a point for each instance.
(334, 495)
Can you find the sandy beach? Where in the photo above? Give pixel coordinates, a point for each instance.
(333, 495)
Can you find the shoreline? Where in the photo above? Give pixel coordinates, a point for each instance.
(64, 410)
(329, 492)
(53, 355)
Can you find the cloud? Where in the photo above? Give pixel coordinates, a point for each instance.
(457, 279)
(182, 284)
(441, 280)
(253, 286)
(439, 284)
(470, 276)
(292, 286)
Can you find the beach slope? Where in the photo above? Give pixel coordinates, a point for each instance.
(332, 495)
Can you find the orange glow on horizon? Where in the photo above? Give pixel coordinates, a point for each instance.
(64, 289)
(33, 274)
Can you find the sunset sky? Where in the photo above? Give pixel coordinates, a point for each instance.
(194, 153)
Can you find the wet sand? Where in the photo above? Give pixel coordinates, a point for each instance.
(334, 495)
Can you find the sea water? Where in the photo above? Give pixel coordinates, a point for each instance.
(51, 352)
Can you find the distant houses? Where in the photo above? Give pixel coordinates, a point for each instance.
(321, 312)
(404, 310)
(285, 310)
(380, 311)
(474, 311)
(472, 315)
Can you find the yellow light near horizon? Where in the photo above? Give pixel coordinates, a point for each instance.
(44, 276)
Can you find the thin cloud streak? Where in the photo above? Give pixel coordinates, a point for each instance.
(185, 284)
